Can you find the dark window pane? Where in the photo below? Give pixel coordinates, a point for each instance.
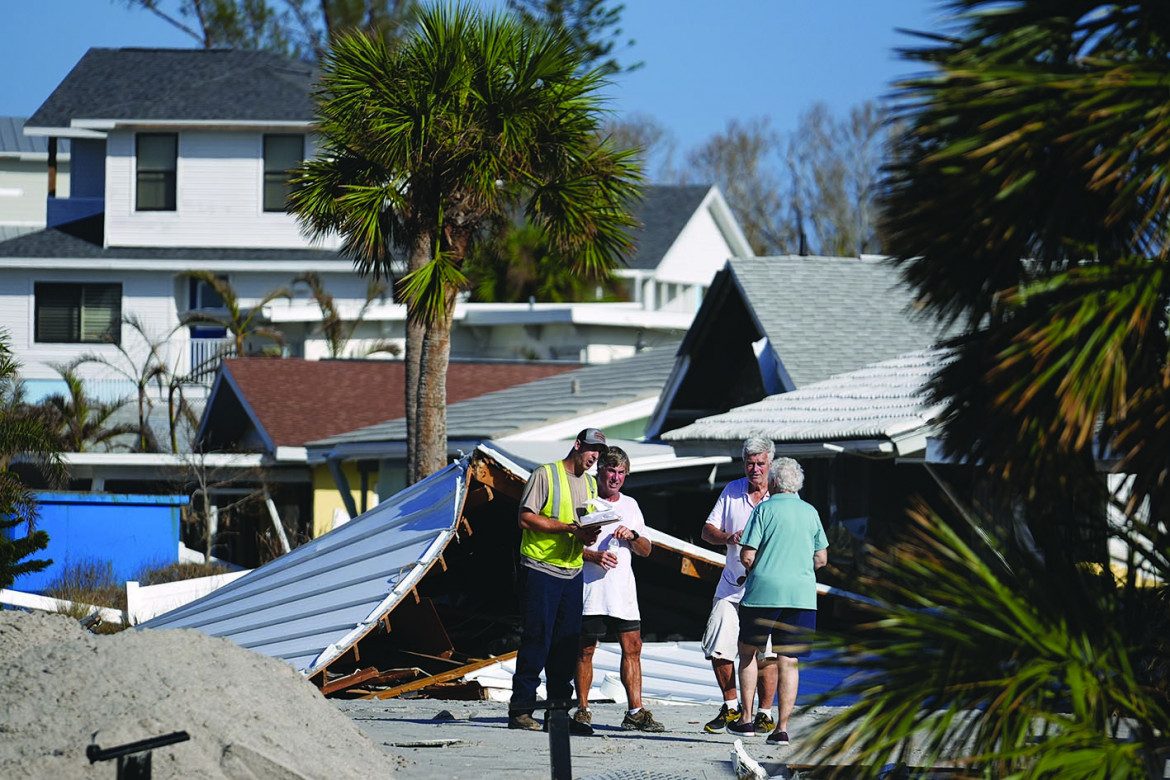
(157, 161)
(282, 153)
(71, 313)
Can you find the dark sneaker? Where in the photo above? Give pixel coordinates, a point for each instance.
(778, 738)
(719, 724)
(583, 716)
(643, 721)
(763, 722)
(743, 729)
(577, 728)
(523, 721)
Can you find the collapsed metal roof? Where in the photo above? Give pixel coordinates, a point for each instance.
(311, 605)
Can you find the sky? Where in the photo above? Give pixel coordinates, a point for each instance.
(706, 63)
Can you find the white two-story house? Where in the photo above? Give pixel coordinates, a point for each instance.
(179, 162)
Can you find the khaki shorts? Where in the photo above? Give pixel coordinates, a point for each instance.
(721, 637)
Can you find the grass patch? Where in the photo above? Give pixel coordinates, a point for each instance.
(90, 582)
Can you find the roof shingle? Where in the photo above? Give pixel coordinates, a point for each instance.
(180, 84)
(298, 401)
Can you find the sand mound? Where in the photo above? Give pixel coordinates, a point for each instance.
(250, 717)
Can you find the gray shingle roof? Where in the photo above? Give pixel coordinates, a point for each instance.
(14, 141)
(662, 213)
(543, 402)
(881, 401)
(180, 84)
(827, 315)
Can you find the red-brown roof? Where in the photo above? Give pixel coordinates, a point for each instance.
(298, 401)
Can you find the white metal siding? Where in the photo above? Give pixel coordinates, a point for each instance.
(219, 177)
(697, 254)
(148, 295)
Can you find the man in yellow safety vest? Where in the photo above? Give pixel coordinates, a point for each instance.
(551, 553)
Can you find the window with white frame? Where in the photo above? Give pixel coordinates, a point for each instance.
(157, 160)
(282, 153)
(77, 313)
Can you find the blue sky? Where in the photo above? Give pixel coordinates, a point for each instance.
(703, 67)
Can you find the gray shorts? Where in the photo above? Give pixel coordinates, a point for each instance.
(721, 637)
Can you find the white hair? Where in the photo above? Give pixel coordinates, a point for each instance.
(758, 445)
(785, 476)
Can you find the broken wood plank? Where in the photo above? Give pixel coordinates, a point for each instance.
(478, 497)
(350, 680)
(453, 674)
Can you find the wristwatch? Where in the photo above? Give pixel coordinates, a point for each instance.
(637, 535)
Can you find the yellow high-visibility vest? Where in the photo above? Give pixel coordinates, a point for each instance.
(563, 550)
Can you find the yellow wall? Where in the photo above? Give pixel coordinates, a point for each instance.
(327, 498)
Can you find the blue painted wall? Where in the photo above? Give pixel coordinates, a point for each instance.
(126, 530)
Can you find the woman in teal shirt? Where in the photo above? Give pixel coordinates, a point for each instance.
(782, 546)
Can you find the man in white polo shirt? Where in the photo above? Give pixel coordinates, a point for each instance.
(725, 526)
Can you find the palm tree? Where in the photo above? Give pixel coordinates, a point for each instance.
(80, 422)
(242, 323)
(24, 438)
(1028, 204)
(426, 145)
(334, 327)
(142, 366)
(517, 265)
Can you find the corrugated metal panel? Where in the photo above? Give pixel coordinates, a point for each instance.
(672, 673)
(309, 606)
(882, 400)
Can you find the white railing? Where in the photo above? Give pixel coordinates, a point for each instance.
(206, 355)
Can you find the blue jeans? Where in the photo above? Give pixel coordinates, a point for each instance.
(551, 611)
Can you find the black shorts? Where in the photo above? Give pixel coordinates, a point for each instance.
(602, 626)
(791, 629)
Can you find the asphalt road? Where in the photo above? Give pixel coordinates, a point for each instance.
(431, 739)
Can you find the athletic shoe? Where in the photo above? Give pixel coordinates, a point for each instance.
(576, 727)
(743, 729)
(719, 724)
(643, 721)
(763, 722)
(523, 721)
(583, 716)
(778, 738)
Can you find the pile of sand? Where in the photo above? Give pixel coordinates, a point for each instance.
(250, 717)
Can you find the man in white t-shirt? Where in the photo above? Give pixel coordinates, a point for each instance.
(611, 596)
(724, 526)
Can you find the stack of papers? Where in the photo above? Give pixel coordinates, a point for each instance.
(603, 513)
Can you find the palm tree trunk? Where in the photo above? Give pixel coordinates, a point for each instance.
(432, 394)
(420, 254)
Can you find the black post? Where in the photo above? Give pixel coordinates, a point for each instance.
(134, 767)
(130, 765)
(557, 718)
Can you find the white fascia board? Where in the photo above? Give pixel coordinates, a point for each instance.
(31, 156)
(732, 232)
(309, 311)
(617, 315)
(292, 455)
(216, 460)
(601, 418)
(63, 132)
(174, 265)
(105, 125)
